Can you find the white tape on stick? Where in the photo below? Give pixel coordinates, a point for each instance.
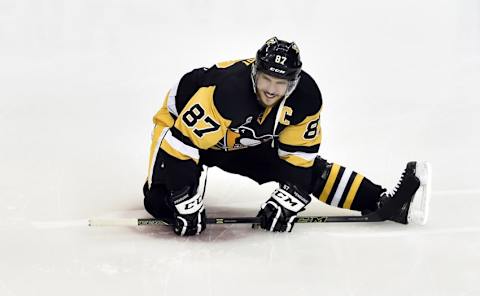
(113, 222)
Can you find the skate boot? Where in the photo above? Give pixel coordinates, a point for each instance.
(409, 201)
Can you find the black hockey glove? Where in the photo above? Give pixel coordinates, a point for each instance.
(189, 214)
(280, 210)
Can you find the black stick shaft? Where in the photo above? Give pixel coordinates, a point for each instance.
(255, 220)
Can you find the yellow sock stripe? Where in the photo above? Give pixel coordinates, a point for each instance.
(353, 191)
(330, 181)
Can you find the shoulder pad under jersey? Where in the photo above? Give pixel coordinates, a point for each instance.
(306, 100)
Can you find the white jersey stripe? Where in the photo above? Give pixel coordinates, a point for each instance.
(341, 187)
(171, 104)
(181, 147)
(303, 155)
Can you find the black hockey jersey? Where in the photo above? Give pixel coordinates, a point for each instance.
(217, 108)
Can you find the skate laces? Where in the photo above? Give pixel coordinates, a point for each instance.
(399, 183)
(391, 193)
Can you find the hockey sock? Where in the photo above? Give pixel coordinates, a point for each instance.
(341, 187)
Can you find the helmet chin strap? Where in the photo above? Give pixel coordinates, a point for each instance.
(277, 119)
(253, 76)
(291, 86)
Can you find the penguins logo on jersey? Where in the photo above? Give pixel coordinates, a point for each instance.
(248, 136)
(243, 137)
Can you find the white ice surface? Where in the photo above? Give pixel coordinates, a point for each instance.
(80, 81)
(66, 257)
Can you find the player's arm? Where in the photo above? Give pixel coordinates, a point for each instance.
(198, 126)
(298, 146)
(188, 121)
(299, 143)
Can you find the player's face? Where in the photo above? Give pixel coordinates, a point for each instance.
(270, 89)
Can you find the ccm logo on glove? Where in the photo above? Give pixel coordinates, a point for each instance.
(287, 200)
(189, 205)
(194, 203)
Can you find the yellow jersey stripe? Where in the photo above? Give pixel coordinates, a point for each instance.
(294, 135)
(157, 137)
(226, 64)
(261, 119)
(353, 191)
(163, 116)
(330, 182)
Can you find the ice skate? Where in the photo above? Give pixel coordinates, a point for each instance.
(409, 201)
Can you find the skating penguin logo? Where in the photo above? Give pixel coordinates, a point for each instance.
(248, 137)
(243, 137)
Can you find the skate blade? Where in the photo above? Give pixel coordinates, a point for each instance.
(419, 206)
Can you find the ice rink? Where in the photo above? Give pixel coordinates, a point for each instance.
(81, 80)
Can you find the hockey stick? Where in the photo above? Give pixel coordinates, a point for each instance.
(373, 217)
(382, 214)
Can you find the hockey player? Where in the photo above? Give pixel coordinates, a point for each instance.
(259, 118)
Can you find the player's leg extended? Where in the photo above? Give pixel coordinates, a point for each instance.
(341, 187)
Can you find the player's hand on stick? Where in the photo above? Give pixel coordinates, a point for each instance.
(280, 210)
(190, 218)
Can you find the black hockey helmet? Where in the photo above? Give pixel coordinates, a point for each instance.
(280, 59)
